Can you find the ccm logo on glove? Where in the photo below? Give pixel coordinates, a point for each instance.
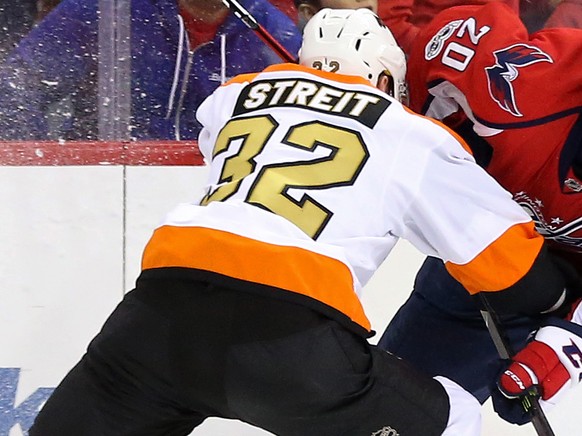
(521, 386)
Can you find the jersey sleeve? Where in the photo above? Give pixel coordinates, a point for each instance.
(468, 220)
(487, 241)
(481, 59)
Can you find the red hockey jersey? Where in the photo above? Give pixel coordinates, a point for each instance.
(524, 96)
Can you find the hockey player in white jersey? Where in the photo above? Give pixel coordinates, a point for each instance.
(248, 303)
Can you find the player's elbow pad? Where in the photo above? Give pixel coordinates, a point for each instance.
(545, 288)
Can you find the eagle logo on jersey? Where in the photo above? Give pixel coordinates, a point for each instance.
(506, 70)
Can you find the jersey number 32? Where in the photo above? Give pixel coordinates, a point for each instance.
(272, 183)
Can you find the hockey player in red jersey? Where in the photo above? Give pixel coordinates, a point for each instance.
(517, 100)
(248, 305)
(406, 18)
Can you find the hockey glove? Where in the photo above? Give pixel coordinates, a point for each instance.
(551, 363)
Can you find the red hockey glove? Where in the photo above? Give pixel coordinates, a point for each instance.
(552, 362)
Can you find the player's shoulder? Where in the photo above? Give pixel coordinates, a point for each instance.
(407, 117)
(495, 12)
(418, 132)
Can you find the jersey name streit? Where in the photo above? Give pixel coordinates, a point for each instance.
(363, 107)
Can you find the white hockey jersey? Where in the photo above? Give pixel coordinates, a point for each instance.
(314, 176)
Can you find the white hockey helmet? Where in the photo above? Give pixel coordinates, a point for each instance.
(354, 42)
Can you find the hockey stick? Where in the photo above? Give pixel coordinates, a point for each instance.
(254, 25)
(530, 401)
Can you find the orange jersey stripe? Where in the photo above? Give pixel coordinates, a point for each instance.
(503, 263)
(285, 267)
(342, 78)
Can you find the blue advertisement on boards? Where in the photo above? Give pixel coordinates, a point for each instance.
(22, 414)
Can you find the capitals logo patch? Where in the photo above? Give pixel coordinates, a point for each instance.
(562, 230)
(437, 42)
(506, 70)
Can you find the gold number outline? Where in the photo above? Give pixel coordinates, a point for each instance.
(255, 133)
(334, 66)
(341, 167)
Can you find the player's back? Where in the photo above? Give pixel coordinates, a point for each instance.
(339, 164)
(309, 138)
(313, 178)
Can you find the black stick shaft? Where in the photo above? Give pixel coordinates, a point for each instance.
(530, 402)
(253, 24)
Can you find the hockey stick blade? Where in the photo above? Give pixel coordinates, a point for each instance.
(530, 401)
